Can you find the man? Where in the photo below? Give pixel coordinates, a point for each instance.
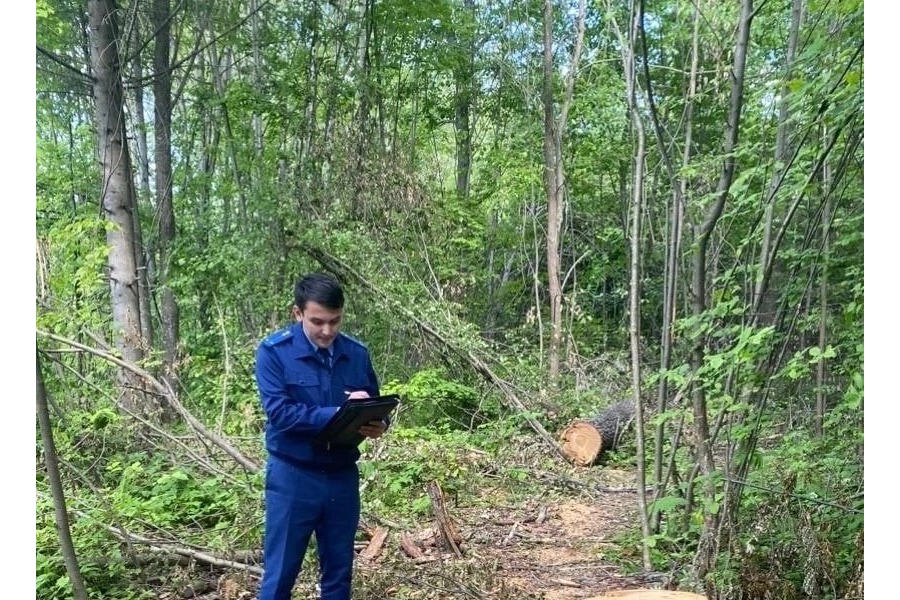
(304, 373)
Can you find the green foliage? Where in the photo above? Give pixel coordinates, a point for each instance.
(430, 398)
(415, 457)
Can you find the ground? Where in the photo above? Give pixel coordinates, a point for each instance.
(562, 543)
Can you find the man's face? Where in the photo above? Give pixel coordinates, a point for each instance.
(320, 324)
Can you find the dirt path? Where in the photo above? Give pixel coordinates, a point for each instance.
(561, 547)
(557, 544)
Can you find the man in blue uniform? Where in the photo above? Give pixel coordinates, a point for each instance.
(304, 373)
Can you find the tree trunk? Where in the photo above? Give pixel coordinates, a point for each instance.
(821, 379)
(554, 178)
(629, 68)
(116, 190)
(143, 253)
(553, 189)
(463, 74)
(705, 556)
(673, 250)
(780, 166)
(79, 592)
(364, 103)
(584, 441)
(162, 98)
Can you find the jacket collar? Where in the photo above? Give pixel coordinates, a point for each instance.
(303, 348)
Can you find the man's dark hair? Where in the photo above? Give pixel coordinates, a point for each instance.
(321, 288)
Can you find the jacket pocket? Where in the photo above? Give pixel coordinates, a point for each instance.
(303, 386)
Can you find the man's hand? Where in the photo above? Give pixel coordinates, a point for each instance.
(373, 429)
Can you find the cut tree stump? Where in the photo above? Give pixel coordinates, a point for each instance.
(583, 440)
(445, 528)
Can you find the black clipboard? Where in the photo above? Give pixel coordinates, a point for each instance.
(341, 430)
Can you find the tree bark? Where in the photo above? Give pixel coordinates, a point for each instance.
(704, 558)
(463, 74)
(143, 252)
(821, 372)
(51, 462)
(780, 166)
(673, 248)
(116, 189)
(553, 189)
(629, 68)
(554, 179)
(162, 128)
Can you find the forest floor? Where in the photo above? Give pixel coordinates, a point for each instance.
(559, 540)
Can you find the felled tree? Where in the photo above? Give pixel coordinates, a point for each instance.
(584, 440)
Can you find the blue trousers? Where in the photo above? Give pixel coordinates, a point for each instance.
(299, 502)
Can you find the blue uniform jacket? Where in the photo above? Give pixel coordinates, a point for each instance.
(299, 393)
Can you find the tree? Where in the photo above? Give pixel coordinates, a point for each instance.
(116, 189)
(704, 558)
(162, 127)
(554, 174)
(51, 462)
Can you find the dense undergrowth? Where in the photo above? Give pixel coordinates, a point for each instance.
(133, 492)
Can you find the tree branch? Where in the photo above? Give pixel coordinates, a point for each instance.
(165, 390)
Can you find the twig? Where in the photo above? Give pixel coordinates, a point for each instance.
(797, 496)
(510, 535)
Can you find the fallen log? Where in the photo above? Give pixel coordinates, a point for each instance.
(581, 443)
(584, 440)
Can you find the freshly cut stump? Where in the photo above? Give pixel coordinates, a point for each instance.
(648, 595)
(581, 443)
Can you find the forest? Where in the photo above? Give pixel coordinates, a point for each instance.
(543, 214)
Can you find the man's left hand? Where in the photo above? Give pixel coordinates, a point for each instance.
(373, 429)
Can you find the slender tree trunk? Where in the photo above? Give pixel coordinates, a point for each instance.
(257, 73)
(821, 372)
(162, 97)
(311, 155)
(634, 288)
(140, 121)
(364, 105)
(782, 152)
(554, 191)
(554, 176)
(116, 189)
(673, 252)
(51, 462)
(221, 69)
(463, 74)
(143, 252)
(705, 558)
(629, 68)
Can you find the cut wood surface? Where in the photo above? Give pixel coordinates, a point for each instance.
(581, 443)
(583, 440)
(648, 595)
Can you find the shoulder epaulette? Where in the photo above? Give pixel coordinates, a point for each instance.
(278, 337)
(353, 340)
